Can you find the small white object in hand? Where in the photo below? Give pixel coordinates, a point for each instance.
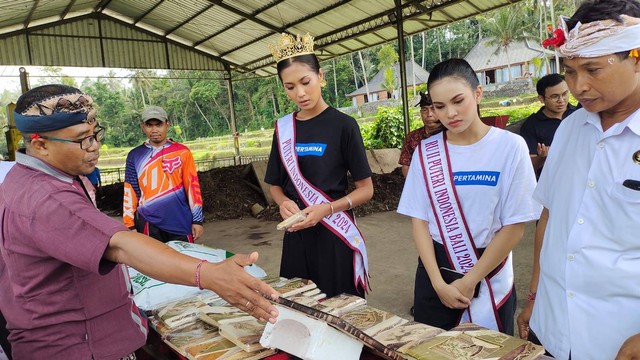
(293, 219)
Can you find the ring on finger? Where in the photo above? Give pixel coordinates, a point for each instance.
(247, 304)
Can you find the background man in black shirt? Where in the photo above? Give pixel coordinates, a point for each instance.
(539, 128)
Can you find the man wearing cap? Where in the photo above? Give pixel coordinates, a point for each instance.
(161, 189)
(412, 139)
(584, 290)
(64, 292)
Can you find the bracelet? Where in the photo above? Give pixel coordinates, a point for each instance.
(198, 273)
(349, 201)
(331, 206)
(531, 296)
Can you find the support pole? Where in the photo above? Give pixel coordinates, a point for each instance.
(403, 65)
(24, 80)
(553, 22)
(12, 135)
(232, 110)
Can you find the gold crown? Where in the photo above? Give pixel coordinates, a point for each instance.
(289, 46)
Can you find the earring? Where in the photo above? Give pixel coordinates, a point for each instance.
(610, 60)
(323, 83)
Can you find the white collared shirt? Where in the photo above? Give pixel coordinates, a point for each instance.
(588, 300)
(5, 166)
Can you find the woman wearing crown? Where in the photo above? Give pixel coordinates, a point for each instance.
(313, 150)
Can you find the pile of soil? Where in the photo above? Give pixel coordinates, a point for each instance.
(229, 193)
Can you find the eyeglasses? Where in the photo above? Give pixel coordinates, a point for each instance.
(85, 142)
(556, 97)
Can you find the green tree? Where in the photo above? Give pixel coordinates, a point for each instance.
(121, 121)
(387, 130)
(389, 83)
(505, 27)
(57, 74)
(342, 84)
(141, 80)
(204, 92)
(387, 57)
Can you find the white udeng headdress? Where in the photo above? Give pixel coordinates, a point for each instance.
(599, 38)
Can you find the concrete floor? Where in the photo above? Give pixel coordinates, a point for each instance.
(392, 254)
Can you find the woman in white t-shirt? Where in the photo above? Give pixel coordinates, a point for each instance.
(479, 180)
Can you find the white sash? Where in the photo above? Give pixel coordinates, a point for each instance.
(340, 223)
(456, 237)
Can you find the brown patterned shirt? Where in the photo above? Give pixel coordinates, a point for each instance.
(411, 142)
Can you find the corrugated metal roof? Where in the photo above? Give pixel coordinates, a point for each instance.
(375, 84)
(485, 55)
(206, 34)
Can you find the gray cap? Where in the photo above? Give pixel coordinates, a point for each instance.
(154, 112)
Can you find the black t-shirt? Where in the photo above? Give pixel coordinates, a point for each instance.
(328, 146)
(538, 128)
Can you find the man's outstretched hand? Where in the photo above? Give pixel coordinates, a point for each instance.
(231, 282)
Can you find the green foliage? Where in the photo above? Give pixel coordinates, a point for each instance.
(415, 124)
(254, 143)
(421, 87)
(537, 68)
(515, 113)
(122, 122)
(198, 101)
(387, 56)
(505, 27)
(339, 83)
(387, 131)
(52, 71)
(524, 99)
(389, 83)
(204, 91)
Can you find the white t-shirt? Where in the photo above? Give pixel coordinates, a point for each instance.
(5, 166)
(494, 180)
(588, 300)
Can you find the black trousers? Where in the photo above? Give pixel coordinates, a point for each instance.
(428, 308)
(147, 228)
(534, 339)
(4, 336)
(317, 254)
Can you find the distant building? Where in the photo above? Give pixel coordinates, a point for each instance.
(491, 65)
(377, 92)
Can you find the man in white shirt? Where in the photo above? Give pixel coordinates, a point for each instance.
(585, 302)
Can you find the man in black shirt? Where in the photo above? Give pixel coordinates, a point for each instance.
(539, 128)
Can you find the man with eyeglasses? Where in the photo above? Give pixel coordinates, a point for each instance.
(539, 128)
(583, 293)
(63, 287)
(85, 143)
(162, 195)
